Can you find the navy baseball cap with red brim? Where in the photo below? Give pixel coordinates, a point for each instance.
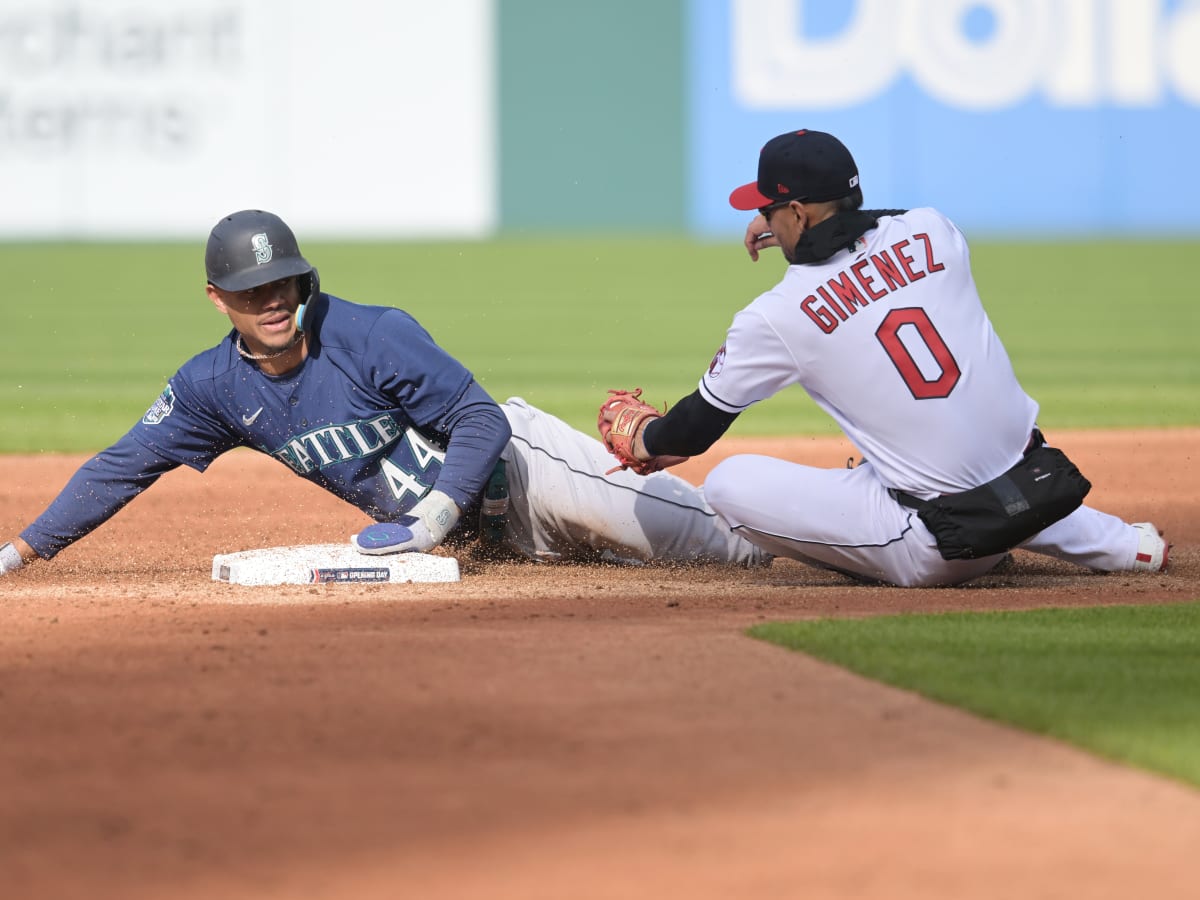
(808, 166)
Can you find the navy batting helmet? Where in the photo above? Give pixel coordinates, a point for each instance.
(250, 248)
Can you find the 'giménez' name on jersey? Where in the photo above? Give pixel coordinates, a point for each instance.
(878, 336)
(870, 278)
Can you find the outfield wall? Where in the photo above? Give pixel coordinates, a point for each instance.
(152, 119)
(465, 118)
(1021, 117)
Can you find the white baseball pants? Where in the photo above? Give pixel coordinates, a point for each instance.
(563, 507)
(845, 520)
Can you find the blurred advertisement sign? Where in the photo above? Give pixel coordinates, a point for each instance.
(146, 119)
(1013, 116)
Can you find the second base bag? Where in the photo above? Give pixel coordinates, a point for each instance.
(1042, 488)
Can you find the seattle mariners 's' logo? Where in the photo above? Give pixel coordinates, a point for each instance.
(262, 248)
(162, 407)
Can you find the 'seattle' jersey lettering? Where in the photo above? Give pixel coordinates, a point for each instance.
(412, 475)
(336, 443)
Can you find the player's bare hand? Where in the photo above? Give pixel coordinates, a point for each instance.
(759, 237)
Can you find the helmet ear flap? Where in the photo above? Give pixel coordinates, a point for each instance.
(309, 285)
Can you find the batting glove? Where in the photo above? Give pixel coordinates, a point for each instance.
(10, 559)
(425, 526)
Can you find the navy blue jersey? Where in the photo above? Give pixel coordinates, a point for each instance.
(377, 414)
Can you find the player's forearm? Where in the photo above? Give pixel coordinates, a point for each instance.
(28, 554)
(688, 428)
(82, 507)
(97, 491)
(478, 432)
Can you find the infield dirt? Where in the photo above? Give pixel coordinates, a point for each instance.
(537, 731)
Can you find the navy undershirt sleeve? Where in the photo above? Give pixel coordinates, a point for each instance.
(98, 490)
(478, 432)
(688, 428)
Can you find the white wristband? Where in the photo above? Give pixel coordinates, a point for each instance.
(10, 559)
(438, 512)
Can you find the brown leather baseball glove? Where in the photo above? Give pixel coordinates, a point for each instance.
(621, 417)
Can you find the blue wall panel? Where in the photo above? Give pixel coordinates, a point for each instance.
(1052, 118)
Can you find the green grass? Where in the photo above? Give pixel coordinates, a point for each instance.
(1101, 334)
(1122, 682)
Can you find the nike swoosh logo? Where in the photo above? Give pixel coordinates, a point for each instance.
(250, 419)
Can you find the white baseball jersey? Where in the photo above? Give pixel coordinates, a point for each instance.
(891, 339)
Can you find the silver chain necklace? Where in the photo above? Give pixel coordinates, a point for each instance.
(259, 357)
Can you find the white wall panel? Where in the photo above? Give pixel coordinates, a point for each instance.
(151, 120)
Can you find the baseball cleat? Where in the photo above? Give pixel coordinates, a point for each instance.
(1152, 549)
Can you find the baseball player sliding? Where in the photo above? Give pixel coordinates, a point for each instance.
(878, 319)
(360, 400)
